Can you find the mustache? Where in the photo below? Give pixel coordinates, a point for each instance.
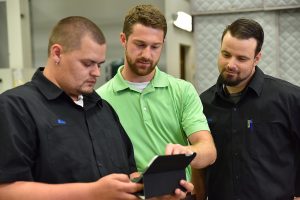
(144, 60)
(92, 80)
(230, 70)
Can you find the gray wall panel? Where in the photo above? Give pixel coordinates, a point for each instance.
(280, 3)
(204, 6)
(199, 7)
(289, 26)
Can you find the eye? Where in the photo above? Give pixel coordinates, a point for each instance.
(155, 47)
(225, 55)
(141, 45)
(242, 59)
(87, 64)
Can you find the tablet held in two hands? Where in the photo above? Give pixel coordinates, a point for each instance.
(163, 174)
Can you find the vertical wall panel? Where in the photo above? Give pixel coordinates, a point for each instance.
(289, 27)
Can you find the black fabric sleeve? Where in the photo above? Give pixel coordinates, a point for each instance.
(297, 183)
(297, 180)
(17, 142)
(295, 119)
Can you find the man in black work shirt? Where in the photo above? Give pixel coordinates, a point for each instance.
(255, 121)
(59, 139)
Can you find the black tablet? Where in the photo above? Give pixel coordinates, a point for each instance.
(163, 174)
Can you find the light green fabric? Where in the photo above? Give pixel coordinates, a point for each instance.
(168, 110)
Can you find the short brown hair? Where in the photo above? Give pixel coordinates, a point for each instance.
(147, 15)
(69, 31)
(244, 29)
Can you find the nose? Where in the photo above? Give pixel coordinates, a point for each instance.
(232, 63)
(146, 53)
(95, 70)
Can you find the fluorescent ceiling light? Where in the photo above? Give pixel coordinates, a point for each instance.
(183, 21)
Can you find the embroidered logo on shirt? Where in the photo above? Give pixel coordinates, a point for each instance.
(60, 121)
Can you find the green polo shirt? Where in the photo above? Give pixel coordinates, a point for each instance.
(168, 110)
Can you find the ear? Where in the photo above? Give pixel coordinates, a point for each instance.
(123, 39)
(257, 58)
(56, 51)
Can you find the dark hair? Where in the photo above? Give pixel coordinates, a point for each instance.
(69, 31)
(147, 15)
(244, 29)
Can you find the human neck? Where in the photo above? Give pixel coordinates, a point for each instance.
(234, 90)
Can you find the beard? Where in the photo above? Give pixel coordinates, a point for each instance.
(87, 90)
(139, 67)
(231, 80)
(86, 87)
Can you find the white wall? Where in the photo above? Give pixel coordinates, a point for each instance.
(19, 35)
(16, 60)
(176, 37)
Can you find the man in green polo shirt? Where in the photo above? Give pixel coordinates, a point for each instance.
(160, 113)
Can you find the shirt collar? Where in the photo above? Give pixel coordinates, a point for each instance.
(119, 83)
(257, 81)
(51, 91)
(46, 87)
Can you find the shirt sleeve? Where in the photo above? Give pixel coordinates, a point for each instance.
(193, 118)
(17, 141)
(297, 182)
(295, 127)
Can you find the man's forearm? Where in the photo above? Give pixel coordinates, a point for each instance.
(203, 145)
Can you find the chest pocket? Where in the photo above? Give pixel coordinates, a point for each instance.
(266, 138)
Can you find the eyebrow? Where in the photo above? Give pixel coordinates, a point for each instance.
(92, 61)
(142, 41)
(239, 56)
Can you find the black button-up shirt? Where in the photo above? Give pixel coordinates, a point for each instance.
(256, 140)
(46, 137)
